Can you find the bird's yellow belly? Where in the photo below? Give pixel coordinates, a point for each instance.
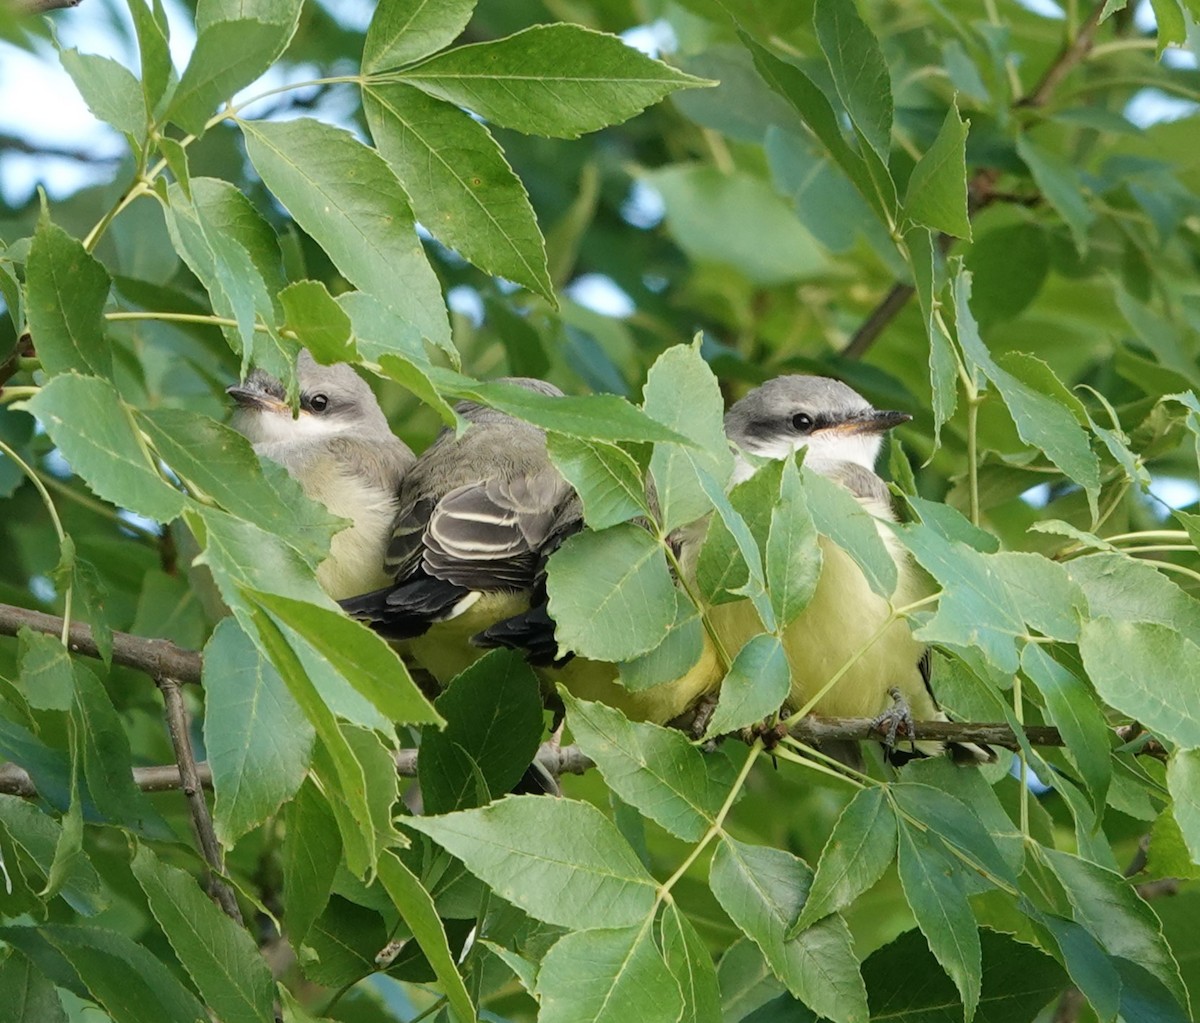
(445, 650)
(840, 621)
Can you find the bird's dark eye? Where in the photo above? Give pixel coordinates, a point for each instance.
(318, 402)
(802, 422)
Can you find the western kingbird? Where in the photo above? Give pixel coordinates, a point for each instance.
(479, 515)
(841, 434)
(341, 451)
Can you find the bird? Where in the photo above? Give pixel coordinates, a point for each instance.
(841, 434)
(341, 450)
(479, 516)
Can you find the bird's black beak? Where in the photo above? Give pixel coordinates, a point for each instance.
(875, 421)
(248, 397)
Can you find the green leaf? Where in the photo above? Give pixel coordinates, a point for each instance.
(1183, 779)
(1107, 905)
(1062, 187)
(231, 52)
(943, 361)
(345, 196)
(493, 714)
(745, 544)
(241, 554)
(555, 80)
(109, 89)
(654, 769)
(906, 986)
(26, 994)
(65, 294)
(956, 825)
(107, 759)
(1073, 710)
(38, 836)
(859, 71)
(939, 903)
(861, 847)
(321, 325)
(794, 85)
(611, 593)
(132, 985)
(416, 907)
(1147, 671)
(975, 609)
(459, 182)
(221, 464)
(96, 433)
(311, 852)
(607, 976)
(220, 957)
(1049, 601)
(406, 30)
(150, 24)
(937, 187)
(763, 891)
(359, 655)
(681, 392)
(673, 658)
(602, 417)
(560, 860)
(1171, 23)
(229, 247)
(755, 686)
(691, 966)
(47, 680)
(607, 479)
(257, 739)
(839, 516)
(1041, 421)
(745, 979)
(721, 219)
(344, 770)
(793, 554)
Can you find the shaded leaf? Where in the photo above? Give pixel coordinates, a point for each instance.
(859, 71)
(607, 479)
(937, 187)
(560, 860)
(405, 30)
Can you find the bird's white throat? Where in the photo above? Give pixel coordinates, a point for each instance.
(860, 448)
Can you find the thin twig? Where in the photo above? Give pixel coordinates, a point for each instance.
(1071, 55)
(23, 349)
(158, 658)
(210, 848)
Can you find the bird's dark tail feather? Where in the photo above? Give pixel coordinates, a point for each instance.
(531, 632)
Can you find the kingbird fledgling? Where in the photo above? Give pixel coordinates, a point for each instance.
(341, 451)
(842, 434)
(478, 517)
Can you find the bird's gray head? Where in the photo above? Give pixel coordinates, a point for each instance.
(333, 400)
(834, 422)
(475, 413)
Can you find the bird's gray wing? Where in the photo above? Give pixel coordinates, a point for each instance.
(494, 535)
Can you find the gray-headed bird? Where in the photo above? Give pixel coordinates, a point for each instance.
(341, 451)
(479, 515)
(841, 434)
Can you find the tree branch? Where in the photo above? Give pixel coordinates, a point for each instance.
(158, 658)
(980, 193)
(12, 362)
(206, 836)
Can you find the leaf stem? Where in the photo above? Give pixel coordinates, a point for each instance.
(698, 604)
(714, 829)
(973, 453)
(813, 755)
(8, 394)
(139, 187)
(1019, 714)
(28, 470)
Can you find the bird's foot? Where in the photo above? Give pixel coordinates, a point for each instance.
(896, 720)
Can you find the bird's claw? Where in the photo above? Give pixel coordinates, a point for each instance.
(770, 732)
(896, 720)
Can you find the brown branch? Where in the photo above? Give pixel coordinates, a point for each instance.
(16, 144)
(814, 730)
(1071, 56)
(980, 190)
(158, 658)
(206, 836)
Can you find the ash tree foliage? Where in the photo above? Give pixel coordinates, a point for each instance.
(949, 206)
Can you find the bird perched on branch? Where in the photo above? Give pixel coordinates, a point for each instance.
(478, 517)
(341, 451)
(841, 434)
